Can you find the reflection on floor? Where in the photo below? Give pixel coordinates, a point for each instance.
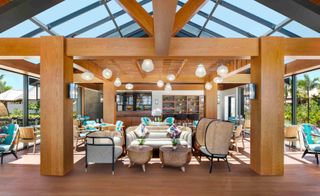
(22, 177)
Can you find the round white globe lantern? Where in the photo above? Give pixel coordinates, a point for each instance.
(218, 79)
(87, 76)
(208, 86)
(107, 73)
(147, 65)
(117, 82)
(160, 83)
(200, 71)
(168, 87)
(171, 77)
(129, 86)
(222, 70)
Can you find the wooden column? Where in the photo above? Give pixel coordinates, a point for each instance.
(267, 110)
(211, 101)
(56, 71)
(109, 102)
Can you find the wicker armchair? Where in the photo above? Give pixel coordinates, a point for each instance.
(292, 134)
(200, 136)
(238, 136)
(217, 141)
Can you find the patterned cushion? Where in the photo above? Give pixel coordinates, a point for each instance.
(169, 121)
(145, 121)
(10, 131)
(4, 148)
(119, 125)
(315, 147)
(174, 131)
(141, 131)
(308, 131)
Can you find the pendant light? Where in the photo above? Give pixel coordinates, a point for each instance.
(107, 73)
(218, 79)
(87, 76)
(147, 65)
(117, 82)
(168, 87)
(160, 83)
(222, 70)
(208, 86)
(171, 77)
(129, 86)
(200, 71)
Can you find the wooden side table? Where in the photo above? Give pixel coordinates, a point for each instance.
(139, 154)
(179, 157)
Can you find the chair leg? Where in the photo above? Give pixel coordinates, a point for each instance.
(226, 159)
(34, 146)
(236, 142)
(1, 158)
(211, 165)
(14, 154)
(243, 143)
(317, 157)
(304, 153)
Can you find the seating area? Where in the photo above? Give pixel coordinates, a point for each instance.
(159, 97)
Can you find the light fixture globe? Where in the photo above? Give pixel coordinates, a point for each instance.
(200, 71)
(87, 76)
(218, 79)
(222, 70)
(147, 65)
(129, 86)
(168, 87)
(107, 73)
(117, 82)
(208, 86)
(171, 77)
(160, 83)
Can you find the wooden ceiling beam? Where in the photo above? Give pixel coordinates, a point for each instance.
(181, 67)
(164, 12)
(20, 66)
(92, 67)
(184, 15)
(299, 66)
(174, 87)
(302, 46)
(139, 14)
(138, 66)
(19, 46)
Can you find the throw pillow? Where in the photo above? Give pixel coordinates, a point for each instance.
(174, 131)
(141, 131)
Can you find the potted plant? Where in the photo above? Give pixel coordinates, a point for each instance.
(141, 141)
(175, 142)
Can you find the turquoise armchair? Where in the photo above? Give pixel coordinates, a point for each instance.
(169, 121)
(145, 121)
(119, 126)
(311, 138)
(8, 144)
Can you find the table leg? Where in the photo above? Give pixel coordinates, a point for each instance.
(143, 167)
(183, 169)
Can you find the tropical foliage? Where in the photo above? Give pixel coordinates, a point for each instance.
(3, 85)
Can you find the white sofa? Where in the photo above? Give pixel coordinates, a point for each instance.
(158, 136)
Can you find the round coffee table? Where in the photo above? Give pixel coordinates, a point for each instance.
(178, 157)
(139, 154)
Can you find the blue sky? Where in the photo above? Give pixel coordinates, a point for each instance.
(14, 80)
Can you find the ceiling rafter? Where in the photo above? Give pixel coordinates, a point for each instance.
(163, 20)
(44, 27)
(139, 14)
(210, 15)
(181, 67)
(279, 26)
(112, 17)
(138, 66)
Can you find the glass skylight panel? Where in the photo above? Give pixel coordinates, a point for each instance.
(226, 32)
(130, 29)
(205, 35)
(148, 7)
(259, 10)
(301, 30)
(20, 29)
(278, 34)
(240, 21)
(114, 35)
(62, 9)
(191, 29)
(207, 8)
(198, 20)
(81, 21)
(114, 6)
(99, 30)
(123, 19)
(43, 33)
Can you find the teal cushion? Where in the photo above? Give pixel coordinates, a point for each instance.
(308, 130)
(10, 132)
(119, 125)
(4, 148)
(315, 147)
(169, 121)
(89, 122)
(83, 135)
(145, 121)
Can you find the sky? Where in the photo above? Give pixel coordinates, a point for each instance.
(14, 80)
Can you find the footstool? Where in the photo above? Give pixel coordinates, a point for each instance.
(179, 157)
(139, 154)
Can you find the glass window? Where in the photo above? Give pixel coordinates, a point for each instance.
(81, 21)
(99, 30)
(124, 18)
(301, 30)
(114, 6)
(11, 98)
(224, 31)
(288, 101)
(308, 97)
(207, 8)
(148, 7)
(19, 30)
(34, 101)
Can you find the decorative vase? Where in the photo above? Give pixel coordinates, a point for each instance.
(174, 147)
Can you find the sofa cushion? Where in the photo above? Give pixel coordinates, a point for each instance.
(174, 131)
(141, 131)
(158, 142)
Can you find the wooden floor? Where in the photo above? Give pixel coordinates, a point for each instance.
(21, 177)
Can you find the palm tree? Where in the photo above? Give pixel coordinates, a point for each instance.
(307, 85)
(3, 85)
